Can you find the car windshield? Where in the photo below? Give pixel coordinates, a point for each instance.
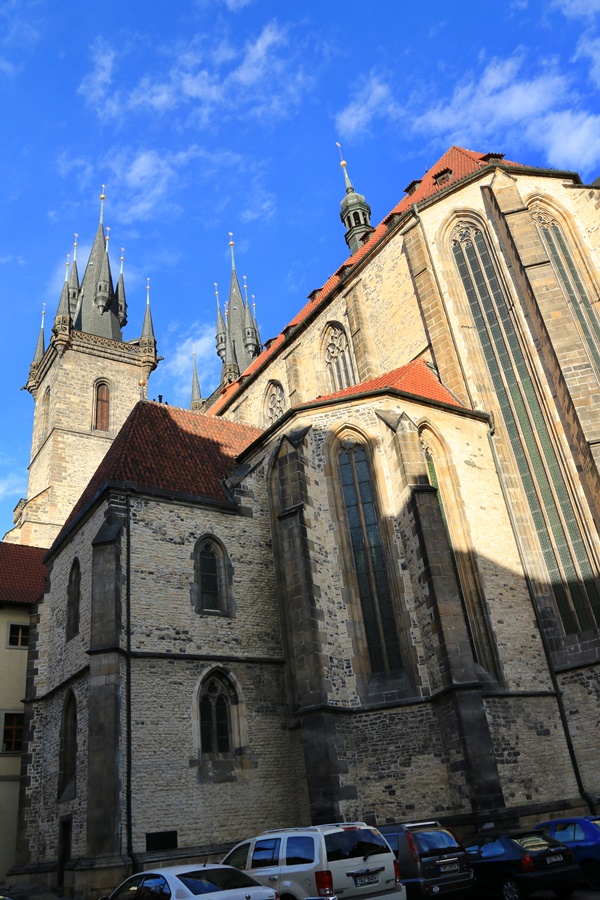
(354, 842)
(533, 841)
(434, 840)
(205, 881)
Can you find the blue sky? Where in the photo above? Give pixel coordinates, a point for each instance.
(203, 117)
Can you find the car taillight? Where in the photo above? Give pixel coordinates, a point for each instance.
(396, 872)
(324, 883)
(527, 863)
(412, 846)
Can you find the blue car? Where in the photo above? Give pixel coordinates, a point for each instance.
(581, 834)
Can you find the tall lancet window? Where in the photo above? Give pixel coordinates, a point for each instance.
(369, 558)
(578, 300)
(338, 359)
(73, 600)
(215, 724)
(562, 543)
(102, 407)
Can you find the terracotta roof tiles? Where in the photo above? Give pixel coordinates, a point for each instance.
(414, 378)
(22, 573)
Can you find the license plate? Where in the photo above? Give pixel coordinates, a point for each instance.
(361, 880)
(553, 859)
(449, 868)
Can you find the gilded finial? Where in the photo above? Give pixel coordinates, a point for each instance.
(75, 247)
(43, 313)
(231, 245)
(102, 199)
(344, 165)
(107, 238)
(216, 291)
(147, 292)
(67, 267)
(343, 162)
(254, 308)
(122, 258)
(245, 289)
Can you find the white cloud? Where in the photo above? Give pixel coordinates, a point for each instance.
(94, 87)
(590, 48)
(12, 485)
(373, 101)
(570, 140)
(236, 5)
(577, 8)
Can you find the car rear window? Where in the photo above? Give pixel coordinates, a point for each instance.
(534, 841)
(204, 881)
(432, 840)
(354, 842)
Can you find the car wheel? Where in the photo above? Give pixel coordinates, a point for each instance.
(591, 875)
(511, 890)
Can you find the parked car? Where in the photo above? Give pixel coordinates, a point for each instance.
(213, 882)
(581, 834)
(350, 861)
(517, 865)
(431, 860)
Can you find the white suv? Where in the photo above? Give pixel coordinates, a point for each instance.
(348, 861)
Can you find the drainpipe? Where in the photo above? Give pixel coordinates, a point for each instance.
(548, 653)
(128, 812)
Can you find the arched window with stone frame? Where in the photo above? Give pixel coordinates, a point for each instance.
(571, 572)
(101, 418)
(73, 601)
(220, 726)
(338, 358)
(274, 403)
(67, 756)
(571, 280)
(442, 477)
(211, 592)
(369, 557)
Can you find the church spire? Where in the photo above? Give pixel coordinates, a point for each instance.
(196, 395)
(96, 311)
(238, 342)
(40, 347)
(355, 211)
(74, 278)
(64, 305)
(121, 302)
(148, 327)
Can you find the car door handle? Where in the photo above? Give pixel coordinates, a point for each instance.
(272, 877)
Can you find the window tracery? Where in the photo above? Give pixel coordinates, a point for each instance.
(338, 359)
(275, 404)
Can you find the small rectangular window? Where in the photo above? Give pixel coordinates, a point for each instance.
(12, 733)
(299, 850)
(161, 840)
(18, 635)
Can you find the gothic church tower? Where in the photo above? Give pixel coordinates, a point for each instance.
(84, 385)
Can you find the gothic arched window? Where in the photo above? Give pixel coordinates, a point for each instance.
(73, 600)
(578, 300)
(274, 406)
(338, 359)
(215, 716)
(67, 762)
(369, 558)
(562, 543)
(211, 589)
(102, 407)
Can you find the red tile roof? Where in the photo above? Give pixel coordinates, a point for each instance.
(164, 448)
(461, 163)
(414, 378)
(22, 573)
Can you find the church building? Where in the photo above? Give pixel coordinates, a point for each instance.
(361, 580)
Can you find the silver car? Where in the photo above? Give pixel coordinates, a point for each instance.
(212, 882)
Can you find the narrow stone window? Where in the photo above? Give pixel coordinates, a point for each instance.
(68, 751)
(570, 571)
(338, 359)
(44, 416)
(211, 591)
(102, 411)
(578, 301)
(215, 717)
(369, 559)
(274, 406)
(73, 601)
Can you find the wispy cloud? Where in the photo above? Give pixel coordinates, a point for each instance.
(374, 100)
(578, 8)
(176, 370)
(13, 484)
(589, 48)
(266, 78)
(569, 139)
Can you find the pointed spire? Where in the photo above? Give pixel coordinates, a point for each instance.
(121, 301)
(74, 277)
(40, 347)
(196, 395)
(148, 327)
(64, 306)
(355, 211)
(221, 327)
